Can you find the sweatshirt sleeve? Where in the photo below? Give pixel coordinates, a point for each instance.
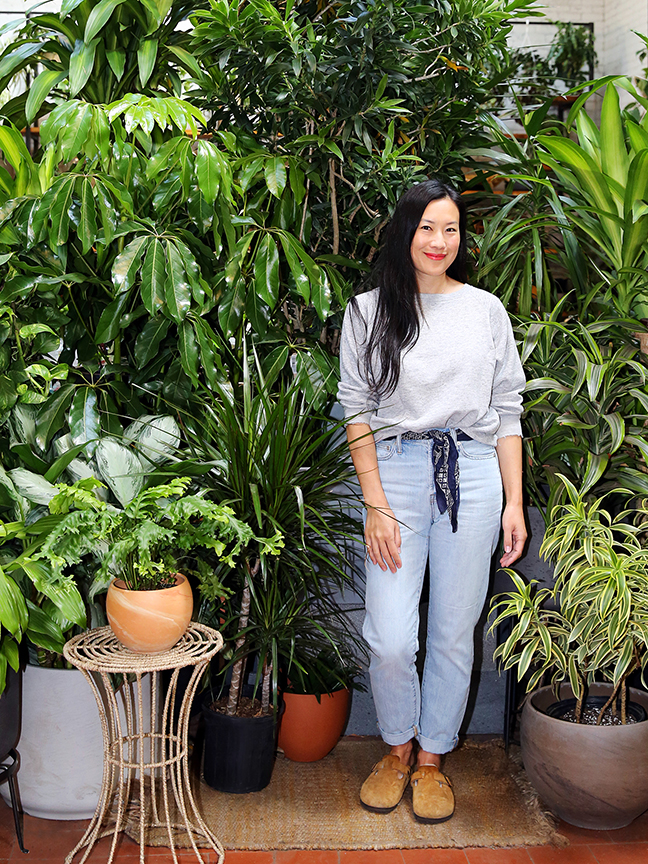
(509, 380)
(353, 392)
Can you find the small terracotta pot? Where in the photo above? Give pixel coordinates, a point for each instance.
(310, 729)
(590, 776)
(149, 621)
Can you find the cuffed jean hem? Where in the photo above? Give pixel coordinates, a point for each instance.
(439, 746)
(396, 738)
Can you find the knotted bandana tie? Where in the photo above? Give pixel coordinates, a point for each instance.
(445, 460)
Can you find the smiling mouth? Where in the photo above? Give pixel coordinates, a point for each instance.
(434, 257)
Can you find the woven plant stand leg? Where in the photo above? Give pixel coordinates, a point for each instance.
(151, 744)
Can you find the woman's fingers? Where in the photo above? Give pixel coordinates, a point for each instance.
(515, 534)
(382, 536)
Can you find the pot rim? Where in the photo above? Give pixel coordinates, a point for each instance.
(121, 585)
(540, 691)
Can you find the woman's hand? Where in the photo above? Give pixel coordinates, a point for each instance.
(382, 536)
(515, 534)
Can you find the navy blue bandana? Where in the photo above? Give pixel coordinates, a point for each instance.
(445, 460)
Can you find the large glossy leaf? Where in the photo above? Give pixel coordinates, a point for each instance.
(81, 64)
(274, 171)
(153, 277)
(157, 437)
(117, 62)
(208, 170)
(146, 54)
(127, 263)
(176, 289)
(32, 486)
(51, 416)
(15, 59)
(614, 155)
(188, 349)
(98, 18)
(148, 341)
(62, 591)
(85, 426)
(43, 630)
(120, 469)
(110, 320)
(75, 131)
(43, 85)
(87, 228)
(13, 610)
(266, 271)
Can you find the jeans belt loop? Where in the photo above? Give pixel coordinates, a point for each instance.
(399, 444)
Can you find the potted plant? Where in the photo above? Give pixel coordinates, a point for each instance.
(139, 550)
(586, 635)
(317, 698)
(280, 463)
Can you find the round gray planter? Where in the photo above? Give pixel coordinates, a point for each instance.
(590, 776)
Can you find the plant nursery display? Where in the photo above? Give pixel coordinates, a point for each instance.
(590, 632)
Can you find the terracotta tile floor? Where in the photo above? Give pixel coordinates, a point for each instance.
(50, 842)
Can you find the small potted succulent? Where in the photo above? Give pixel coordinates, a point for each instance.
(587, 635)
(140, 550)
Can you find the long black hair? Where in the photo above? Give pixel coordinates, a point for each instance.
(397, 324)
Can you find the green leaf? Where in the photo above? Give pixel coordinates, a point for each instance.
(75, 132)
(44, 83)
(117, 61)
(81, 64)
(266, 271)
(146, 54)
(51, 416)
(13, 610)
(110, 320)
(186, 59)
(148, 341)
(207, 170)
(121, 469)
(43, 630)
(98, 18)
(60, 211)
(153, 275)
(127, 264)
(274, 171)
(176, 289)
(85, 425)
(62, 592)
(614, 156)
(188, 349)
(87, 229)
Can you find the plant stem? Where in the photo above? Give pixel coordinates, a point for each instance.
(265, 689)
(237, 669)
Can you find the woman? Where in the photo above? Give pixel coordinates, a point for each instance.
(431, 385)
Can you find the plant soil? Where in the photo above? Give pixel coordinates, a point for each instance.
(589, 717)
(246, 708)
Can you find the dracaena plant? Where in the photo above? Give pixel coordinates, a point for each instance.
(280, 461)
(592, 624)
(585, 407)
(605, 179)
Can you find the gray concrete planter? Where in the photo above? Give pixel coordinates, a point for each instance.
(590, 776)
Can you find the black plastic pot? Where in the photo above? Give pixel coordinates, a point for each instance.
(10, 713)
(239, 751)
(559, 709)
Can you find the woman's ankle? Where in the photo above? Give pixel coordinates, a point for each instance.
(405, 752)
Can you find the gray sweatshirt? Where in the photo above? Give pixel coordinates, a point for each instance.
(463, 372)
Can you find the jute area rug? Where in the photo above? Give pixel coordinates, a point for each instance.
(315, 805)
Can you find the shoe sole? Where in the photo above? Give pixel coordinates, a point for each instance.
(427, 821)
(380, 809)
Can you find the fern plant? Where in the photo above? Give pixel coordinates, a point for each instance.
(145, 542)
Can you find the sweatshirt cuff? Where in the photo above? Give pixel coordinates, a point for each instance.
(509, 425)
(358, 417)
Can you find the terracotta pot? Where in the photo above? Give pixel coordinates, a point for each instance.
(590, 776)
(149, 621)
(310, 729)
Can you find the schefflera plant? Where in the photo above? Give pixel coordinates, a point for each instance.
(593, 624)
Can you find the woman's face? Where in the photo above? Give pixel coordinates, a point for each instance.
(436, 240)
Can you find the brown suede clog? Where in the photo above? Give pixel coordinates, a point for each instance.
(384, 787)
(432, 796)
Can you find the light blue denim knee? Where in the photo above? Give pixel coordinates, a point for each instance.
(459, 572)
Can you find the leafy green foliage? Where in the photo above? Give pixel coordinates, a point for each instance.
(146, 540)
(593, 623)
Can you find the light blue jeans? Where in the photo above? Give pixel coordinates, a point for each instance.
(459, 574)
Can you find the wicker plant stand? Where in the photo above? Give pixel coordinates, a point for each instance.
(161, 798)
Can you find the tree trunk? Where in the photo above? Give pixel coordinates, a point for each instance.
(244, 616)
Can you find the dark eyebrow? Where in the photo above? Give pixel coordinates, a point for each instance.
(432, 222)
